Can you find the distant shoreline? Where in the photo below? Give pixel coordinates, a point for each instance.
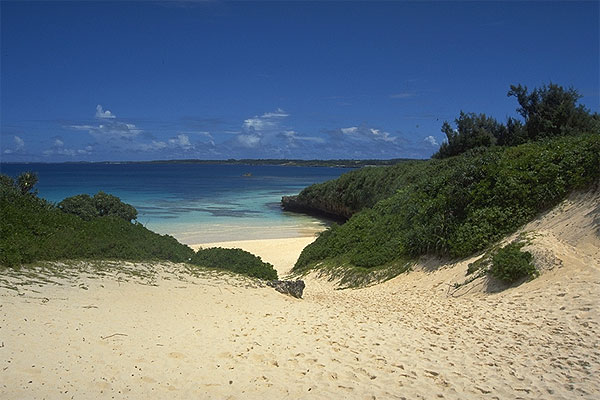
(342, 163)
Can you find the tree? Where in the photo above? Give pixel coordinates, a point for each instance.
(472, 130)
(81, 205)
(101, 205)
(109, 205)
(26, 181)
(553, 111)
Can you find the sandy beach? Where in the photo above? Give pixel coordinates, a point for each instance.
(216, 335)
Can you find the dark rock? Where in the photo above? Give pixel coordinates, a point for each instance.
(292, 288)
(315, 208)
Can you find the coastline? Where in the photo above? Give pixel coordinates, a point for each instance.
(218, 335)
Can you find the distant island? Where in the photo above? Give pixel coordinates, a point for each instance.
(345, 163)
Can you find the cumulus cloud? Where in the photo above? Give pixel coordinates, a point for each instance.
(109, 129)
(350, 130)
(19, 145)
(181, 141)
(58, 148)
(294, 138)
(267, 121)
(431, 140)
(249, 141)
(102, 114)
(365, 133)
(154, 145)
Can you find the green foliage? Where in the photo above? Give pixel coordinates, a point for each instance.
(553, 111)
(6, 181)
(455, 206)
(510, 264)
(109, 205)
(81, 205)
(357, 189)
(101, 205)
(548, 111)
(26, 182)
(472, 130)
(235, 260)
(33, 229)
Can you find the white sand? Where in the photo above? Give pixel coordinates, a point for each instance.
(216, 336)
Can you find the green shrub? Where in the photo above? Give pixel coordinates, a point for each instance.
(32, 229)
(235, 260)
(510, 264)
(456, 206)
(26, 182)
(109, 205)
(81, 205)
(6, 181)
(101, 205)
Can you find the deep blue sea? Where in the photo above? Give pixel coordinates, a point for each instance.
(195, 203)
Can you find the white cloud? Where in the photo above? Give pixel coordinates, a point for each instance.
(279, 113)
(385, 136)
(267, 121)
(152, 146)
(102, 114)
(58, 148)
(181, 141)
(431, 140)
(365, 133)
(249, 141)
(402, 95)
(19, 143)
(293, 136)
(19, 146)
(109, 129)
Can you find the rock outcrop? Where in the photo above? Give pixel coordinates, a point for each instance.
(291, 288)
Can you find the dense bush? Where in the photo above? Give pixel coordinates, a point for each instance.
(33, 229)
(510, 264)
(471, 131)
(459, 205)
(101, 205)
(357, 189)
(81, 205)
(235, 260)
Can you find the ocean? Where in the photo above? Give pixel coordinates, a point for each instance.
(195, 203)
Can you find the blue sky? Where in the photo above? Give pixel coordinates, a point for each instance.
(216, 80)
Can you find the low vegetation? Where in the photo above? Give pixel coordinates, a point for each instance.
(98, 228)
(101, 205)
(235, 260)
(511, 264)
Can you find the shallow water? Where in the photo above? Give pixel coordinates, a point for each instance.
(196, 203)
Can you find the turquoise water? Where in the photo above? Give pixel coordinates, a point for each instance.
(193, 202)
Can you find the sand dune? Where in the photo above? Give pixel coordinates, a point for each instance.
(220, 336)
